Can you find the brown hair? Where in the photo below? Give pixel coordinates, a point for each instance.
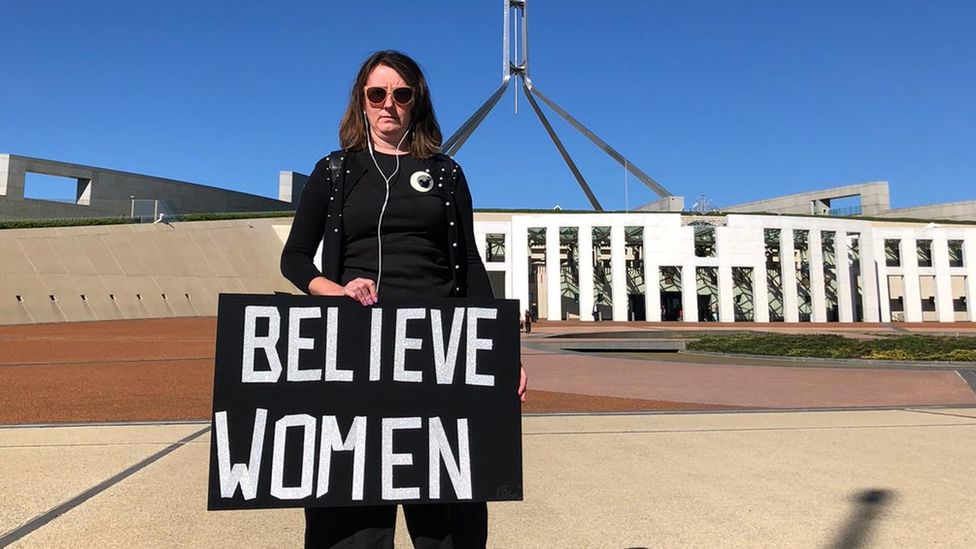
(426, 138)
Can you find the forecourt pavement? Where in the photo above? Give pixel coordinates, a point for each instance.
(865, 478)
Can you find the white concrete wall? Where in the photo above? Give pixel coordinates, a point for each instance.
(739, 240)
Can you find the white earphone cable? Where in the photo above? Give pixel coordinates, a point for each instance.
(386, 199)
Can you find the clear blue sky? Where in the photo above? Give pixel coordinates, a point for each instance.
(734, 100)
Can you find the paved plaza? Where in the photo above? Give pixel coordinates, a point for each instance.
(800, 457)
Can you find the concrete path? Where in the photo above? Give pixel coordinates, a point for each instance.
(880, 478)
(746, 386)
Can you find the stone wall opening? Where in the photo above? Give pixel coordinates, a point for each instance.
(828, 247)
(68, 190)
(743, 297)
(634, 261)
(569, 272)
(602, 275)
(896, 297)
(670, 287)
(707, 288)
(774, 275)
(538, 298)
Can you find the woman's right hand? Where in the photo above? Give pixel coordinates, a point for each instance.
(362, 290)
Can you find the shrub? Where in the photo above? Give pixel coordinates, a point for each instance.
(901, 347)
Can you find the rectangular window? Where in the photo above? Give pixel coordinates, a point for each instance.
(569, 271)
(892, 252)
(634, 262)
(959, 305)
(924, 248)
(537, 272)
(742, 294)
(69, 190)
(704, 241)
(896, 297)
(828, 249)
(926, 290)
(495, 248)
(774, 276)
(955, 253)
(801, 257)
(602, 275)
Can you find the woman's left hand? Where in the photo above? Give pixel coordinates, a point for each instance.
(523, 381)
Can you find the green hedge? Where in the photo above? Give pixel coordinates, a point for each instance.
(901, 347)
(81, 222)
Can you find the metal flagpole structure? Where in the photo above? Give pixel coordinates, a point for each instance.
(515, 62)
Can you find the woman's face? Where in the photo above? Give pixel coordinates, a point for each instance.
(389, 119)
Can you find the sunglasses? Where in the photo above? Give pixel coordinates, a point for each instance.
(377, 95)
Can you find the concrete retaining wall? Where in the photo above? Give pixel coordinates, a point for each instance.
(136, 271)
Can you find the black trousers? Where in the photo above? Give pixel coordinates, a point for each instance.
(431, 526)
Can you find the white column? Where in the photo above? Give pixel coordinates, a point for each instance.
(480, 239)
(818, 290)
(519, 257)
(969, 262)
(869, 277)
(943, 281)
(913, 294)
(618, 273)
(553, 293)
(586, 272)
(881, 264)
(652, 281)
(689, 294)
(726, 306)
(509, 275)
(787, 262)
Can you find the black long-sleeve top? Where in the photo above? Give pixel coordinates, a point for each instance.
(323, 204)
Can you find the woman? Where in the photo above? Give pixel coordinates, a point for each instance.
(397, 222)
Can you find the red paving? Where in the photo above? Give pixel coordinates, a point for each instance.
(746, 386)
(163, 369)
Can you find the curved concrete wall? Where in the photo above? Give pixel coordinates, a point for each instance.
(136, 271)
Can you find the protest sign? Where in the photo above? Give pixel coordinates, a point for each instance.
(319, 401)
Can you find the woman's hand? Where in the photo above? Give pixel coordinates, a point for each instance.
(362, 290)
(523, 382)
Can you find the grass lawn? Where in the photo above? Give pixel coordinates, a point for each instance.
(895, 347)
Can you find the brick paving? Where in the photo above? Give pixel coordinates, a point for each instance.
(162, 369)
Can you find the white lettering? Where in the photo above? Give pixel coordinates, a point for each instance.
(389, 459)
(471, 375)
(296, 343)
(375, 344)
(232, 475)
(459, 470)
(278, 488)
(332, 373)
(332, 441)
(445, 363)
(267, 343)
(402, 343)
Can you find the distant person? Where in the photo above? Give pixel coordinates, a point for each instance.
(390, 230)
(528, 322)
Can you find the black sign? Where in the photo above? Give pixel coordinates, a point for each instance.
(319, 401)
